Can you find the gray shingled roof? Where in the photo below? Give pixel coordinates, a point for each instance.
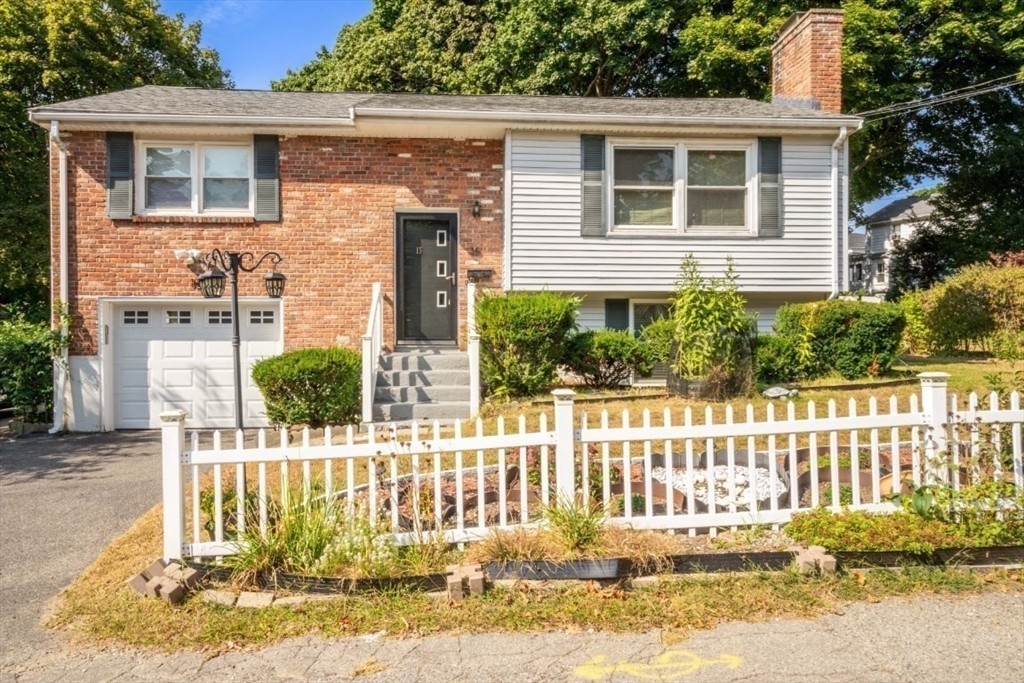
(152, 99)
(908, 208)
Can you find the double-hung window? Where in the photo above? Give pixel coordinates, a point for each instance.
(689, 187)
(213, 178)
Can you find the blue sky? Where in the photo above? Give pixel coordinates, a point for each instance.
(259, 40)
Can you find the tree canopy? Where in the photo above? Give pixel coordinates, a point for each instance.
(54, 50)
(893, 51)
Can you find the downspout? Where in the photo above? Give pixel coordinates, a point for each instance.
(836, 260)
(61, 369)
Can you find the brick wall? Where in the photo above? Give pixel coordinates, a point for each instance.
(336, 234)
(807, 59)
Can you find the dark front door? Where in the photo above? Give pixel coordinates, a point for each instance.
(426, 277)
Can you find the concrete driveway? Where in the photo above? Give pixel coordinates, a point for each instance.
(62, 500)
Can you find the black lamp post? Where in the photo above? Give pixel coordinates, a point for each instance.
(225, 265)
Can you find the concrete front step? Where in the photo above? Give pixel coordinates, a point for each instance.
(437, 361)
(426, 394)
(400, 412)
(422, 378)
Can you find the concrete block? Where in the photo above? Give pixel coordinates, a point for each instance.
(827, 564)
(186, 576)
(819, 549)
(155, 569)
(645, 581)
(806, 563)
(455, 593)
(293, 601)
(254, 600)
(153, 587)
(226, 598)
(171, 591)
(138, 583)
(477, 585)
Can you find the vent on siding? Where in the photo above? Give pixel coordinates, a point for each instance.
(265, 156)
(592, 163)
(770, 168)
(616, 314)
(120, 176)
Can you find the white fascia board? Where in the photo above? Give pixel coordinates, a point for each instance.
(513, 118)
(43, 117)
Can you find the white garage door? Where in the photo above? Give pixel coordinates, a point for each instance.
(172, 356)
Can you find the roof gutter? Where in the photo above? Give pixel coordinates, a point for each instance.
(60, 382)
(45, 116)
(837, 261)
(603, 119)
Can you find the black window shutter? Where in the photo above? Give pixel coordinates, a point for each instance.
(616, 314)
(120, 175)
(769, 166)
(268, 190)
(592, 166)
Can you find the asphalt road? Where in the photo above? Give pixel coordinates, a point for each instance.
(62, 499)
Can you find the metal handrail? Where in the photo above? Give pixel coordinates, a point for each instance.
(373, 343)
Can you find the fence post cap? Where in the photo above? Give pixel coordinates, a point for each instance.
(563, 394)
(172, 416)
(933, 377)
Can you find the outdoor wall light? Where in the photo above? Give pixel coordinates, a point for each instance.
(476, 208)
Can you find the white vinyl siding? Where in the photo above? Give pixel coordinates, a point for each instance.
(591, 309)
(547, 250)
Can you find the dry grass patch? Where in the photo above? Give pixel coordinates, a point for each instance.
(368, 668)
(99, 608)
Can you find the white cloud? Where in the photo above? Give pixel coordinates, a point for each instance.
(227, 11)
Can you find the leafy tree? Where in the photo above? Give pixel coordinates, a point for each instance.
(55, 50)
(893, 51)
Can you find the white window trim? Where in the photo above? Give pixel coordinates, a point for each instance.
(197, 179)
(679, 187)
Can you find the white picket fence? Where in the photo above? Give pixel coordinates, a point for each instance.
(465, 485)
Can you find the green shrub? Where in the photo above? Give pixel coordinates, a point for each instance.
(522, 340)
(776, 360)
(982, 305)
(658, 337)
(712, 329)
(315, 387)
(916, 335)
(860, 531)
(855, 338)
(27, 352)
(607, 358)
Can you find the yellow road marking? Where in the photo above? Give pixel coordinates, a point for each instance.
(670, 665)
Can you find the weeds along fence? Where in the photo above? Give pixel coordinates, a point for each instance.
(691, 473)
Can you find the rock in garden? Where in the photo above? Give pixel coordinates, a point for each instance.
(779, 392)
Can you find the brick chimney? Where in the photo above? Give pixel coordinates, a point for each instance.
(807, 61)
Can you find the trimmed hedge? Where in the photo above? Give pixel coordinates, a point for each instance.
(855, 338)
(522, 340)
(607, 358)
(315, 387)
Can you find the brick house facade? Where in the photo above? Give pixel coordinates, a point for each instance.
(336, 235)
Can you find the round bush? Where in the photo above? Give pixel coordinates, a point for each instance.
(776, 360)
(607, 358)
(522, 340)
(658, 337)
(315, 387)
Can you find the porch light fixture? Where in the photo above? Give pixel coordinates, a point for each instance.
(211, 283)
(476, 208)
(274, 282)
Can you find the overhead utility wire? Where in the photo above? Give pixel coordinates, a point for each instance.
(976, 86)
(937, 102)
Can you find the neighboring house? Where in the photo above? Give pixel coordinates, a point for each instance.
(600, 197)
(893, 222)
(857, 259)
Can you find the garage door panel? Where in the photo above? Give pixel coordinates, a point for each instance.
(162, 367)
(180, 378)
